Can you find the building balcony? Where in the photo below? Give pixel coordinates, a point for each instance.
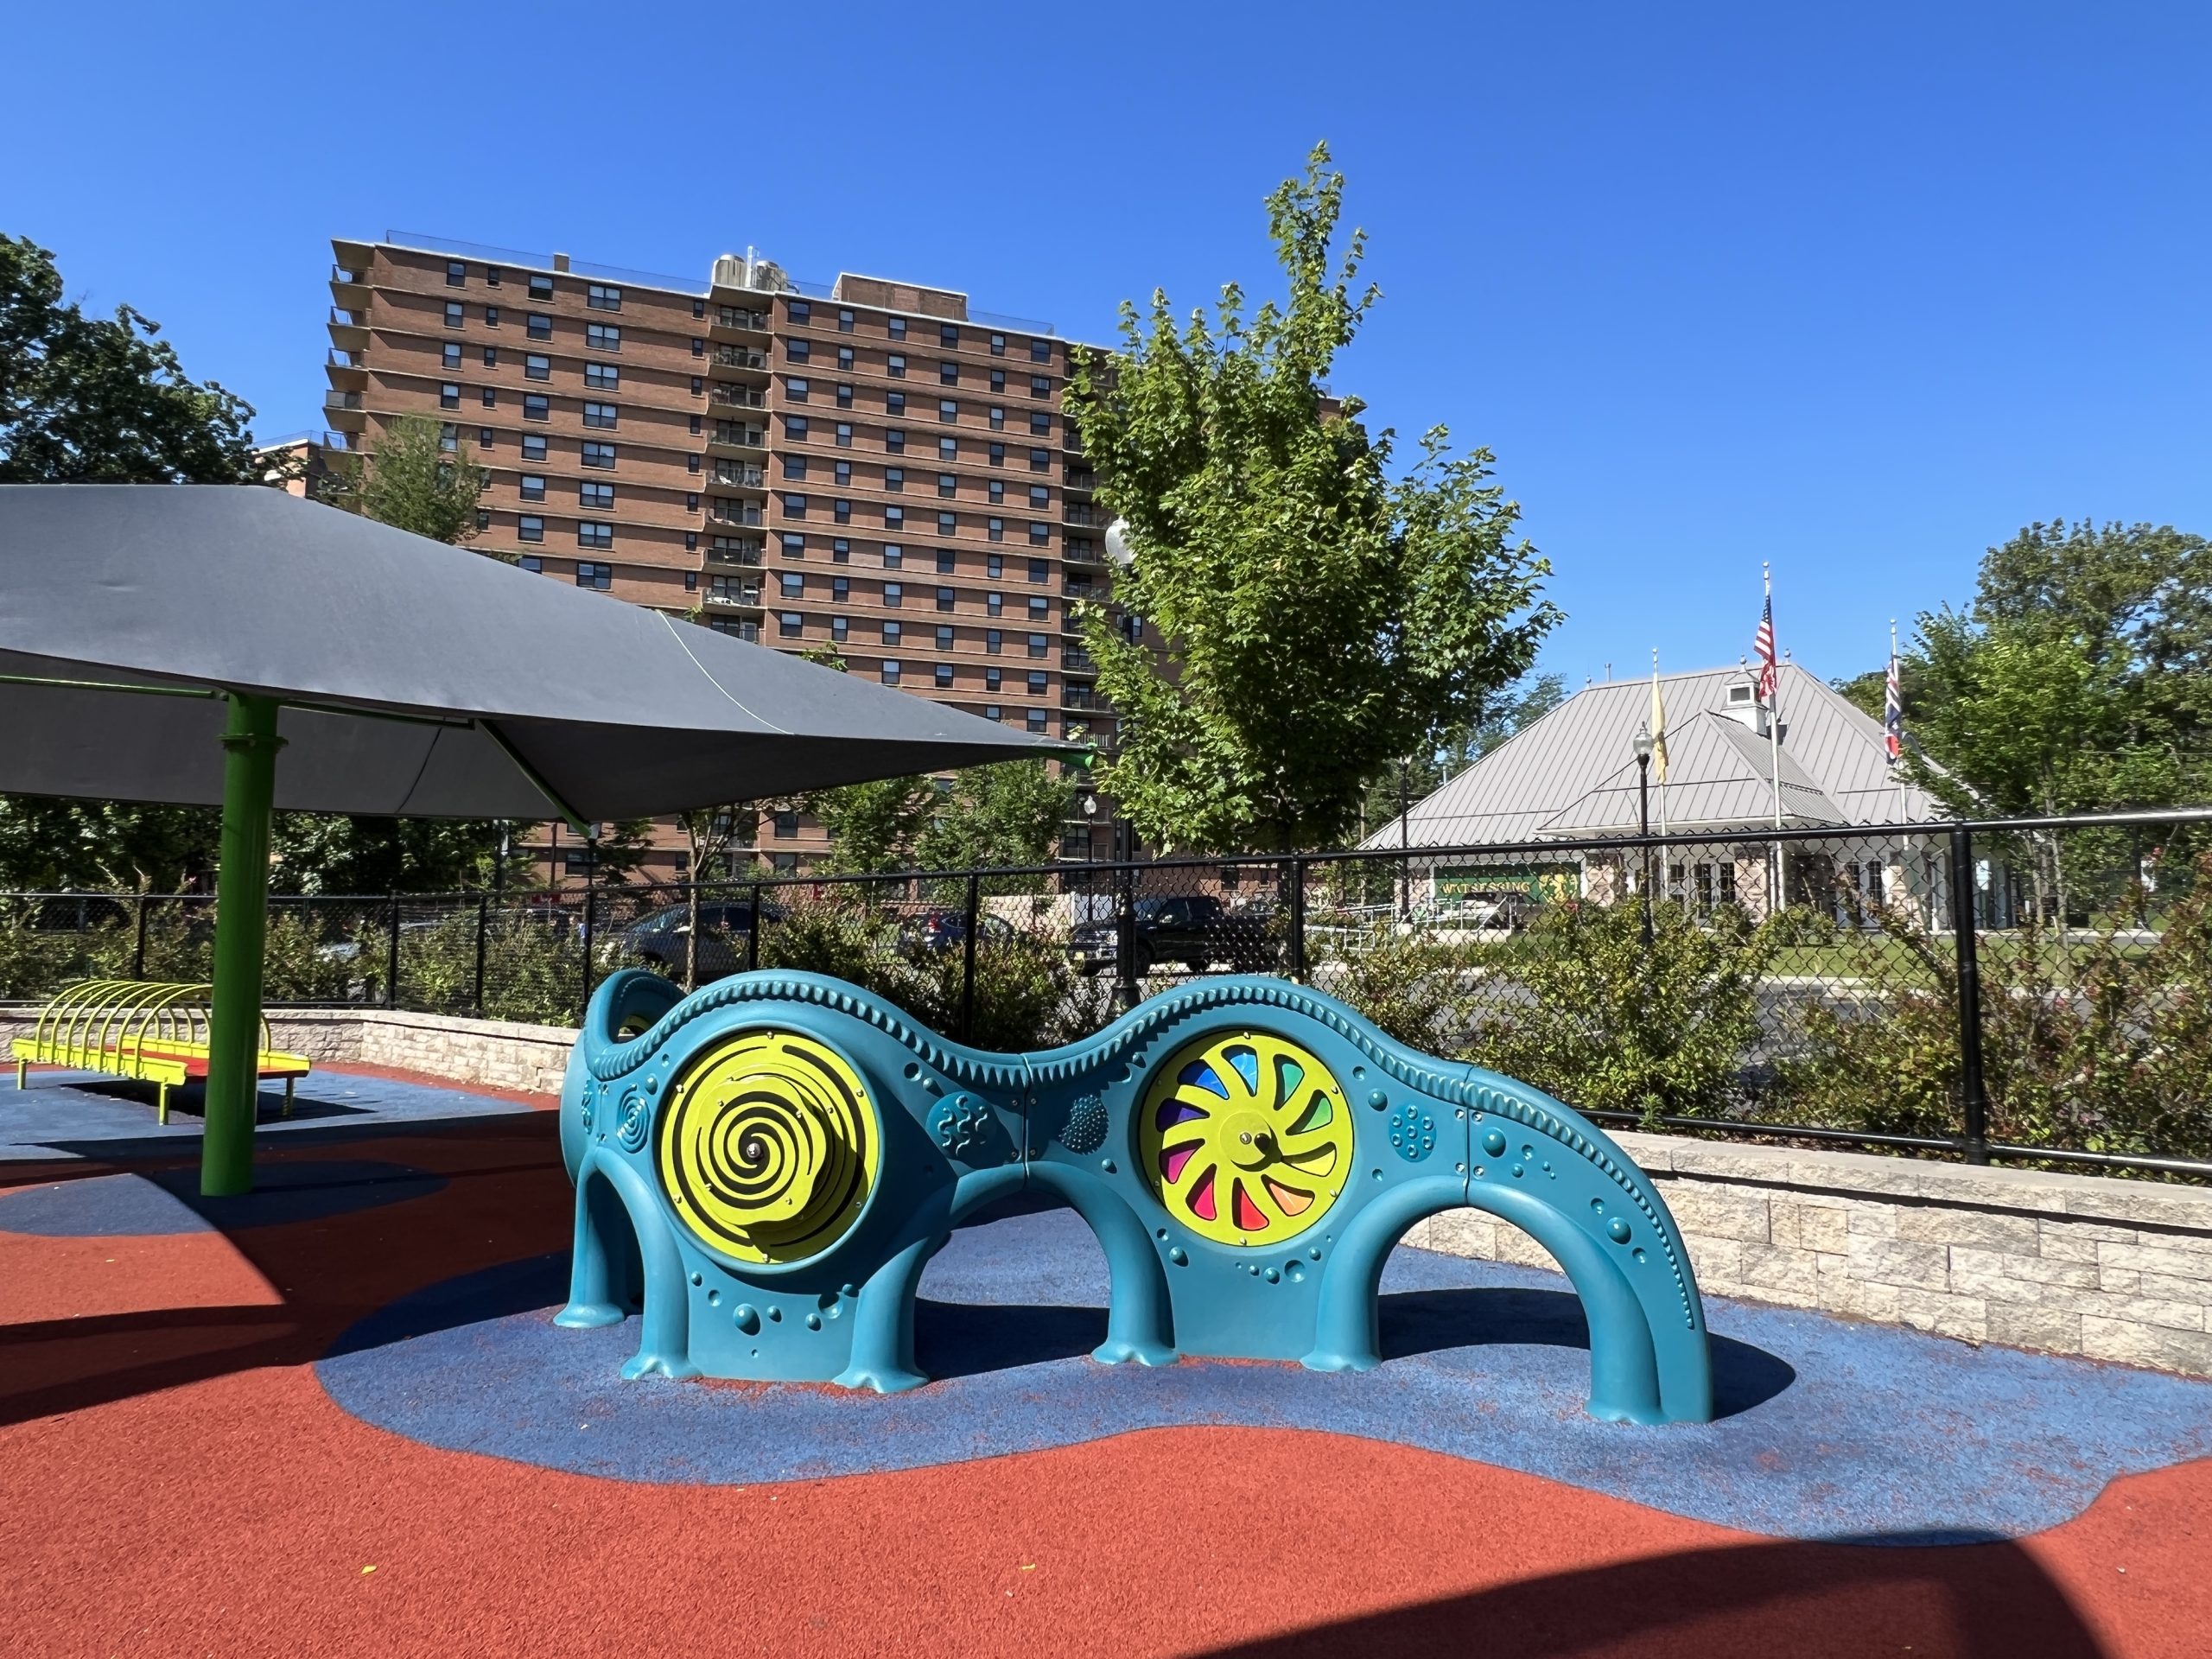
(349, 330)
(744, 597)
(733, 512)
(728, 434)
(1077, 661)
(337, 399)
(739, 357)
(1083, 516)
(1080, 696)
(736, 476)
(739, 550)
(1081, 587)
(730, 320)
(727, 396)
(1079, 478)
(1084, 553)
(349, 287)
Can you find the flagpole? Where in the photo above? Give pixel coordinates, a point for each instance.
(1659, 709)
(1773, 742)
(1897, 760)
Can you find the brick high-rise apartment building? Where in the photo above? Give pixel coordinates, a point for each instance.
(868, 465)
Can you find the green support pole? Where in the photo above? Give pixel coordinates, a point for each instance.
(250, 746)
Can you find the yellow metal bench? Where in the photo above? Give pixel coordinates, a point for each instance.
(150, 1032)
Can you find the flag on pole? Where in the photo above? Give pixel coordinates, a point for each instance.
(1763, 644)
(1658, 725)
(1893, 706)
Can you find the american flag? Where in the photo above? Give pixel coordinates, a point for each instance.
(1893, 713)
(1764, 645)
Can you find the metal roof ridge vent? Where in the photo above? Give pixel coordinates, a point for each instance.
(1741, 699)
(560, 262)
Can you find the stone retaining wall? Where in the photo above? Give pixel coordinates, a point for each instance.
(2071, 1264)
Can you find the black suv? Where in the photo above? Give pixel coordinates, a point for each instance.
(656, 939)
(1193, 930)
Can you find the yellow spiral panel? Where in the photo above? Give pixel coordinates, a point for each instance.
(769, 1149)
(1245, 1138)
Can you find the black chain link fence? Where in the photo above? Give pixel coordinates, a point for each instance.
(1797, 983)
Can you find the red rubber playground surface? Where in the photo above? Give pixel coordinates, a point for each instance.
(176, 1477)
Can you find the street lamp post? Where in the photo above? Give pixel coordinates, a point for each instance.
(1644, 746)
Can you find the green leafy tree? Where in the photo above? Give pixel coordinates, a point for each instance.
(412, 482)
(872, 826)
(1320, 618)
(103, 400)
(995, 817)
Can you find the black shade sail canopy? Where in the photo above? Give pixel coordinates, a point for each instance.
(516, 696)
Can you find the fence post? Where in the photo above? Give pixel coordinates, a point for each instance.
(1298, 919)
(483, 924)
(391, 958)
(139, 950)
(1973, 1102)
(1125, 938)
(968, 957)
(753, 933)
(591, 898)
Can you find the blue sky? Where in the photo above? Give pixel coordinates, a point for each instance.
(1859, 290)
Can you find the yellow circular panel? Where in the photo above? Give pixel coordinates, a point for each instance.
(1246, 1138)
(769, 1147)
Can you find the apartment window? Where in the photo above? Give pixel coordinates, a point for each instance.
(1040, 351)
(994, 603)
(795, 428)
(691, 463)
(845, 320)
(841, 551)
(602, 377)
(1040, 498)
(698, 307)
(530, 561)
(690, 582)
(786, 825)
(792, 584)
(691, 501)
(842, 474)
(841, 628)
(1040, 535)
(600, 455)
(691, 545)
(895, 440)
(844, 396)
(993, 640)
(529, 527)
(1034, 720)
(893, 556)
(892, 633)
(944, 599)
(844, 435)
(530, 486)
(947, 523)
(541, 288)
(995, 565)
(483, 435)
(897, 326)
(944, 632)
(1040, 569)
(602, 337)
(1041, 386)
(536, 366)
(794, 506)
(895, 403)
(796, 389)
(1040, 424)
(998, 345)
(894, 595)
(491, 317)
(947, 485)
(533, 443)
(592, 533)
(842, 510)
(602, 297)
(698, 347)
(998, 381)
(1038, 644)
(948, 373)
(792, 543)
(995, 489)
(998, 455)
(539, 327)
(1041, 460)
(841, 589)
(942, 673)
(795, 467)
(450, 357)
(894, 518)
(890, 671)
(797, 351)
(536, 406)
(449, 395)
(600, 496)
(695, 426)
(995, 530)
(453, 314)
(457, 274)
(894, 478)
(895, 365)
(947, 410)
(998, 418)
(790, 624)
(600, 576)
(491, 357)
(948, 334)
(799, 311)
(991, 711)
(945, 561)
(845, 360)
(603, 414)
(1037, 681)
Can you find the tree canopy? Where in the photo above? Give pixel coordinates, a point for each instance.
(413, 482)
(1321, 618)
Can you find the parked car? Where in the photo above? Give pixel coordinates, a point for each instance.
(1193, 930)
(947, 930)
(658, 939)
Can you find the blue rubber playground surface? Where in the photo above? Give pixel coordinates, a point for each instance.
(1831, 1430)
